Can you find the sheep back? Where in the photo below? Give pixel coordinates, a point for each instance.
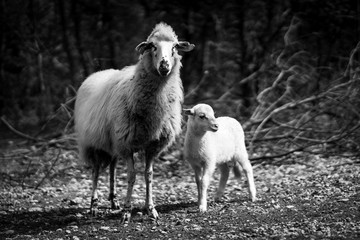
(125, 111)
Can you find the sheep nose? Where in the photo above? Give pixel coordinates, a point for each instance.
(215, 127)
(164, 68)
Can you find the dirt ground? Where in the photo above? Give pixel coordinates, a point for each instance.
(45, 194)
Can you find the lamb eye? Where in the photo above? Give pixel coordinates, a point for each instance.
(202, 116)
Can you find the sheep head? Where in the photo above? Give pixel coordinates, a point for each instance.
(202, 118)
(163, 46)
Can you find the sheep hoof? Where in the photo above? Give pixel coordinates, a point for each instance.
(126, 216)
(94, 211)
(153, 214)
(115, 205)
(94, 207)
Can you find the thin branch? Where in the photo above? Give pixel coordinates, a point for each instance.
(51, 168)
(350, 66)
(304, 147)
(293, 105)
(257, 159)
(23, 135)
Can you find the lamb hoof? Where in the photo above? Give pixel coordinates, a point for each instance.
(153, 214)
(202, 209)
(126, 216)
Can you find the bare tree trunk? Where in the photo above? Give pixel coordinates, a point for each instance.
(65, 39)
(2, 50)
(242, 38)
(76, 16)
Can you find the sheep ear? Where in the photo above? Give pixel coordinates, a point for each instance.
(185, 46)
(189, 111)
(142, 47)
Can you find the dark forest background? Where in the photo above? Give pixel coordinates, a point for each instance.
(287, 70)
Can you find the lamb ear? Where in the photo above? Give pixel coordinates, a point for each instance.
(142, 47)
(185, 46)
(189, 111)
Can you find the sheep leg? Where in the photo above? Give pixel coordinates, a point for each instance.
(224, 169)
(197, 171)
(205, 181)
(112, 195)
(149, 204)
(246, 165)
(94, 194)
(131, 174)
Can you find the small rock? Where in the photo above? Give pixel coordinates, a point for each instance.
(75, 201)
(75, 238)
(196, 227)
(74, 227)
(105, 228)
(9, 231)
(35, 209)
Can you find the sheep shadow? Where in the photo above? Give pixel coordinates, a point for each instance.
(33, 223)
(167, 208)
(162, 209)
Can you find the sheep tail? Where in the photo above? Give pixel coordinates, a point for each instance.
(237, 170)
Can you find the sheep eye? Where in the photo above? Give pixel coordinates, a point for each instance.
(202, 116)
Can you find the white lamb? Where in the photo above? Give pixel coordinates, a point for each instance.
(212, 142)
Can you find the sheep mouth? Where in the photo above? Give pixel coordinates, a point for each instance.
(214, 128)
(163, 72)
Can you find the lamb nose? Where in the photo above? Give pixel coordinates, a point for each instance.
(215, 127)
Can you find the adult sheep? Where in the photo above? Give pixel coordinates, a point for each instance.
(136, 109)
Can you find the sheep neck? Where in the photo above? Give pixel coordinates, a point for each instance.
(196, 132)
(153, 103)
(153, 89)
